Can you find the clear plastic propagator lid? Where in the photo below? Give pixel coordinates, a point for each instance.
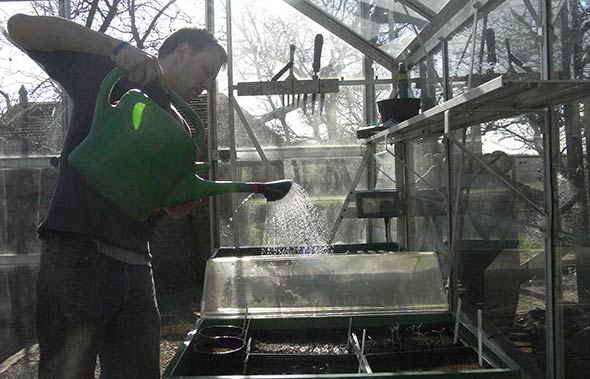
(322, 285)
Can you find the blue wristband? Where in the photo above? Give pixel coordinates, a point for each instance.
(118, 48)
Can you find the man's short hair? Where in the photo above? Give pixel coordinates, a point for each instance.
(198, 39)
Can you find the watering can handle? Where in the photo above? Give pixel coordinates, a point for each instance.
(113, 77)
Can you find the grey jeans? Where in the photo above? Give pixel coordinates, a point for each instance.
(92, 305)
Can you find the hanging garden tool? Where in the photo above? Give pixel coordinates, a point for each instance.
(317, 54)
(291, 77)
(292, 87)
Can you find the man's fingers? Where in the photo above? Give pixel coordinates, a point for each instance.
(161, 79)
(157, 76)
(141, 67)
(136, 73)
(150, 72)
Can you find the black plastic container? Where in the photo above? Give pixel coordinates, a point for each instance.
(398, 109)
(223, 355)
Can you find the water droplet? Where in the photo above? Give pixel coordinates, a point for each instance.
(243, 202)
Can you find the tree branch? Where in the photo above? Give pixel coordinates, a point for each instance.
(91, 13)
(109, 16)
(134, 31)
(154, 20)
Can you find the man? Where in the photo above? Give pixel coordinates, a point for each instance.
(95, 287)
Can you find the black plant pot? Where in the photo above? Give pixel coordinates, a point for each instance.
(398, 109)
(220, 355)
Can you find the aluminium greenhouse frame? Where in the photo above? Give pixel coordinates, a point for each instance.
(453, 15)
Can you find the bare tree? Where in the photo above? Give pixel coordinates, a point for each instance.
(144, 23)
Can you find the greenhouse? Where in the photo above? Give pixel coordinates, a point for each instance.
(377, 188)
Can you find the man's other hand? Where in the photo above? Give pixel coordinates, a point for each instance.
(180, 211)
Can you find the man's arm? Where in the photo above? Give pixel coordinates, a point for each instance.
(45, 33)
(54, 33)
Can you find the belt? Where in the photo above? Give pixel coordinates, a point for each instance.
(115, 252)
(123, 255)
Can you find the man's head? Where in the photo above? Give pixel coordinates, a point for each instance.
(191, 59)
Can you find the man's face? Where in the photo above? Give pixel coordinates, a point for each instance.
(193, 72)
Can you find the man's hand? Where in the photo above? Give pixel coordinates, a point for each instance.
(180, 211)
(141, 67)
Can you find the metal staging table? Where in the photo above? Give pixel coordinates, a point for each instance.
(492, 100)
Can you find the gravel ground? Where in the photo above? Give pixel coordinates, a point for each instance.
(26, 368)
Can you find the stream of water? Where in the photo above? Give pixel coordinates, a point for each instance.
(293, 226)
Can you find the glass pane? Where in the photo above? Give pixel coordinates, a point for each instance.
(506, 42)
(385, 165)
(25, 197)
(574, 243)
(427, 80)
(305, 217)
(459, 60)
(389, 25)
(572, 163)
(305, 137)
(427, 199)
(275, 125)
(498, 227)
(260, 52)
(31, 110)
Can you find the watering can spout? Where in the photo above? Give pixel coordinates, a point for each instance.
(193, 187)
(274, 190)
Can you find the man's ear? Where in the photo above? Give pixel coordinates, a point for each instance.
(183, 52)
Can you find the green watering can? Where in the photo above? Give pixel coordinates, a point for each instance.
(140, 158)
